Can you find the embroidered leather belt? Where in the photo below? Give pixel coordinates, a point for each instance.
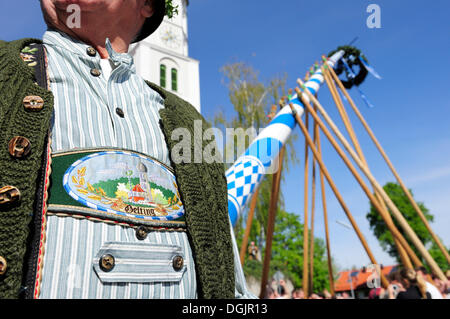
(115, 185)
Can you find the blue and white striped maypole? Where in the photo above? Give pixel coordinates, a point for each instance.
(246, 173)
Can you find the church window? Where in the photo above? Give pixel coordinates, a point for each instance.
(174, 79)
(162, 75)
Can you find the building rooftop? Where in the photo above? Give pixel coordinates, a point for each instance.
(358, 278)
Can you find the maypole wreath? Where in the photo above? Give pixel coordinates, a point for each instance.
(353, 58)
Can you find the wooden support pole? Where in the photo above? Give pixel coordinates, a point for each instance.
(391, 166)
(271, 223)
(336, 192)
(403, 252)
(313, 207)
(305, 221)
(369, 194)
(397, 214)
(248, 226)
(345, 118)
(325, 218)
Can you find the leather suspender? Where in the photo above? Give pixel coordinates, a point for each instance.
(40, 70)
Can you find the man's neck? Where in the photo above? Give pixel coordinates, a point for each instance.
(97, 41)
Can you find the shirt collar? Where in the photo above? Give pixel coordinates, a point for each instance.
(63, 41)
(119, 58)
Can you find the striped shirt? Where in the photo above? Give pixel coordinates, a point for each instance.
(87, 115)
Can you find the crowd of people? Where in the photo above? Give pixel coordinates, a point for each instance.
(282, 292)
(403, 284)
(413, 284)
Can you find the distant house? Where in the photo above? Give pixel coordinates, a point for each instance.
(137, 194)
(356, 280)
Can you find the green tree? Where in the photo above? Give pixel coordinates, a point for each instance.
(287, 253)
(395, 192)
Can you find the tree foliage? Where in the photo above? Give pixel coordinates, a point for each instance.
(287, 252)
(380, 230)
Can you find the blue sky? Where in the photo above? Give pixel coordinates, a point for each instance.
(411, 114)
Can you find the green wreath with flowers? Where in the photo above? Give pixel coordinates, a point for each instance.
(353, 57)
(171, 10)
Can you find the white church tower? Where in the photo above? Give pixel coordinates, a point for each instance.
(163, 57)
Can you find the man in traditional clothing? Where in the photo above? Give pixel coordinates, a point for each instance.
(72, 109)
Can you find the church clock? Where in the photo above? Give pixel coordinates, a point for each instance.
(170, 36)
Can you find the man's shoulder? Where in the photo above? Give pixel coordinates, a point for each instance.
(14, 56)
(9, 49)
(19, 43)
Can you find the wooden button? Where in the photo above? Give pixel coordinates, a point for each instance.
(141, 233)
(177, 263)
(3, 266)
(120, 112)
(19, 147)
(107, 263)
(91, 51)
(33, 103)
(96, 72)
(9, 195)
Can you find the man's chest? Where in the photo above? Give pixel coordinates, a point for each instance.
(93, 110)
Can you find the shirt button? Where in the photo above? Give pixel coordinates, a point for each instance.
(120, 112)
(141, 233)
(9, 195)
(33, 103)
(91, 51)
(95, 72)
(107, 263)
(3, 266)
(19, 147)
(177, 263)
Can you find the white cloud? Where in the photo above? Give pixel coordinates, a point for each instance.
(429, 174)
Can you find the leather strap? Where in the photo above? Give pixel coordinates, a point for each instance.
(40, 69)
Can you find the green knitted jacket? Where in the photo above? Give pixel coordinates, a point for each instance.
(202, 186)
